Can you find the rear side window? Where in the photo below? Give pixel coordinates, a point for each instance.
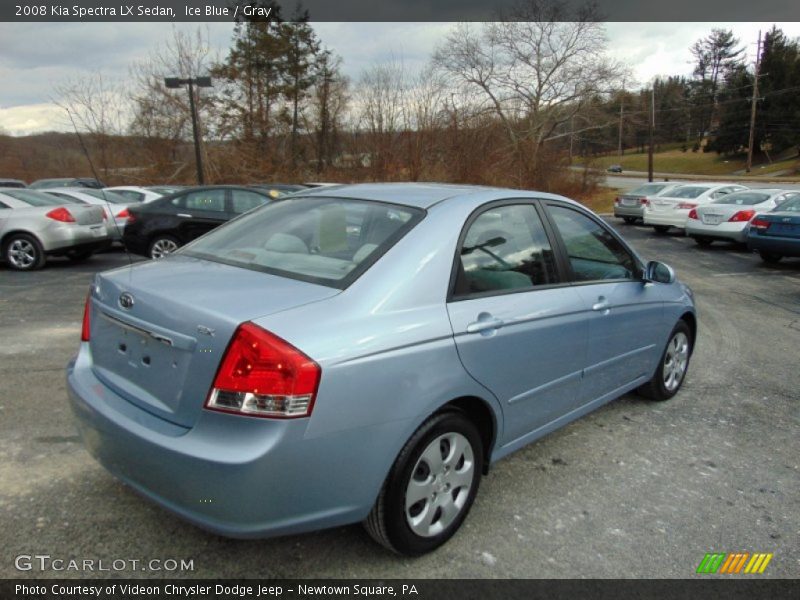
(505, 248)
(593, 252)
(243, 201)
(743, 199)
(329, 241)
(212, 200)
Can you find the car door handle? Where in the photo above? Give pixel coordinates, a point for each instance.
(184, 215)
(484, 325)
(601, 304)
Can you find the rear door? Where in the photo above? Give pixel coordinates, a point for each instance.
(242, 201)
(519, 329)
(624, 314)
(200, 211)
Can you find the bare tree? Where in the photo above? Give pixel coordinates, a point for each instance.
(97, 106)
(532, 70)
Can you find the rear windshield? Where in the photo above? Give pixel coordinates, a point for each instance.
(648, 189)
(743, 198)
(689, 191)
(32, 198)
(330, 241)
(792, 205)
(110, 197)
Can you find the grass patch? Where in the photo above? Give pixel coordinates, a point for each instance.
(601, 200)
(693, 163)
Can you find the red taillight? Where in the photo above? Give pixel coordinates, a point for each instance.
(760, 224)
(123, 214)
(686, 205)
(105, 215)
(61, 214)
(86, 327)
(742, 216)
(616, 201)
(693, 214)
(261, 375)
(644, 201)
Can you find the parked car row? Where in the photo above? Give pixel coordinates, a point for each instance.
(765, 219)
(159, 227)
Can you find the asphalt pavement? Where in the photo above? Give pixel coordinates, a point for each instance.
(636, 489)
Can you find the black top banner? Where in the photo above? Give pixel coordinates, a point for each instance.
(384, 10)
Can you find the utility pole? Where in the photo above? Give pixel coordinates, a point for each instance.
(753, 108)
(571, 135)
(621, 115)
(176, 82)
(650, 132)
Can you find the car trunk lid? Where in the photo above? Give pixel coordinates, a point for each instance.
(159, 330)
(781, 224)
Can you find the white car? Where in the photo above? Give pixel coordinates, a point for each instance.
(728, 218)
(672, 209)
(115, 206)
(135, 193)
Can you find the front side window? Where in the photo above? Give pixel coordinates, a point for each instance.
(593, 252)
(329, 241)
(505, 248)
(688, 191)
(791, 205)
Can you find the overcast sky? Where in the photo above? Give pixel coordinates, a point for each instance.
(35, 56)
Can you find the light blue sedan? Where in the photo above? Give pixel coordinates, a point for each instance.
(364, 353)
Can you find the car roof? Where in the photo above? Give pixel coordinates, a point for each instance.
(418, 195)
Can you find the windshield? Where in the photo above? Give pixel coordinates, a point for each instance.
(743, 198)
(689, 191)
(329, 241)
(32, 198)
(792, 205)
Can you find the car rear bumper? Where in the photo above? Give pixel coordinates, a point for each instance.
(235, 476)
(670, 219)
(736, 232)
(628, 211)
(66, 236)
(774, 244)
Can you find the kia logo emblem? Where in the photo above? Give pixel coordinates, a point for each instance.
(126, 300)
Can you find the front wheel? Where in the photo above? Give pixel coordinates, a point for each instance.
(431, 486)
(672, 368)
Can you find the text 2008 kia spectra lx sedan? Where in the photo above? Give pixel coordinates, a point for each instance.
(364, 353)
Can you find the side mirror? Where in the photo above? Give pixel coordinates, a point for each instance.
(658, 272)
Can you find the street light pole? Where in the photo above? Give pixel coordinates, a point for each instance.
(175, 82)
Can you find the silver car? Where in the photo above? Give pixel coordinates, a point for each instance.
(33, 226)
(728, 218)
(115, 205)
(630, 205)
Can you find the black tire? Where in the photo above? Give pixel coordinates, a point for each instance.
(770, 257)
(160, 241)
(629, 220)
(661, 228)
(656, 389)
(703, 241)
(387, 523)
(23, 252)
(78, 255)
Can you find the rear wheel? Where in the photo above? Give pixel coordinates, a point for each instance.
(430, 488)
(23, 252)
(161, 245)
(769, 257)
(79, 255)
(629, 220)
(672, 368)
(703, 241)
(661, 228)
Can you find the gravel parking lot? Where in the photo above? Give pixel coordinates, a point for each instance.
(636, 489)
